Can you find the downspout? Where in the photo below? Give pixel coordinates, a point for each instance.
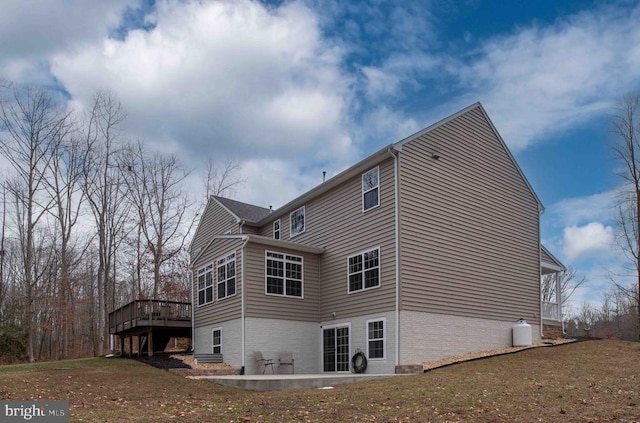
(193, 313)
(540, 275)
(397, 245)
(559, 299)
(242, 301)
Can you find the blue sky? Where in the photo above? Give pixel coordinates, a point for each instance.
(291, 88)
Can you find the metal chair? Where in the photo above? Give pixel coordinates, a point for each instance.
(286, 359)
(263, 361)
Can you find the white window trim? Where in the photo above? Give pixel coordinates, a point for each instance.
(285, 276)
(384, 339)
(273, 229)
(213, 285)
(379, 271)
(363, 192)
(213, 340)
(235, 292)
(336, 326)
(304, 226)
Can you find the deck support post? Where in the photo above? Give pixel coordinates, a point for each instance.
(121, 346)
(130, 346)
(150, 343)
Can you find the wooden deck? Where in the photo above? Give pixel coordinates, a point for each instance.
(155, 320)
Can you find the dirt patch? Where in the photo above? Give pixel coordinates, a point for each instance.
(163, 361)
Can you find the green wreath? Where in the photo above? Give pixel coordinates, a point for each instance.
(359, 362)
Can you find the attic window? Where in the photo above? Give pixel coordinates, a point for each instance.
(297, 222)
(370, 189)
(276, 229)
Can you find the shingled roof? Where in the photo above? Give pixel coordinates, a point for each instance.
(244, 211)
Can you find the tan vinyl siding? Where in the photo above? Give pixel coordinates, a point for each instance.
(259, 304)
(251, 230)
(469, 225)
(216, 220)
(335, 221)
(228, 308)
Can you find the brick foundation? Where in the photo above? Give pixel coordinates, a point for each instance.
(552, 332)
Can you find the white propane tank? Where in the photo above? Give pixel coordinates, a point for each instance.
(521, 334)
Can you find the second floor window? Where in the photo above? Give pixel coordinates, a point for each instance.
(364, 270)
(227, 276)
(284, 274)
(205, 285)
(370, 189)
(297, 222)
(276, 229)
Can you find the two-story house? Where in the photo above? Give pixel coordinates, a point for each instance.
(428, 248)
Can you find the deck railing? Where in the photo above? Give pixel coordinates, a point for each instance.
(148, 312)
(550, 311)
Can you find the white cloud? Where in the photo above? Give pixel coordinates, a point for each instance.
(586, 241)
(398, 73)
(234, 78)
(543, 80)
(386, 124)
(599, 207)
(275, 182)
(31, 30)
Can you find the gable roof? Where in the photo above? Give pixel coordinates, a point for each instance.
(243, 211)
(549, 261)
(398, 145)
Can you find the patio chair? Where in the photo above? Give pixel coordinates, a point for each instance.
(263, 361)
(286, 359)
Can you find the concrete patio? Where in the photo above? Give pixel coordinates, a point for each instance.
(285, 382)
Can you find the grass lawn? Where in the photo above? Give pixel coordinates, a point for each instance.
(593, 381)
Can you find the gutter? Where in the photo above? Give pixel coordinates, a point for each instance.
(397, 258)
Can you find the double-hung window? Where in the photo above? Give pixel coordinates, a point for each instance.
(227, 276)
(217, 341)
(375, 339)
(296, 222)
(276, 229)
(284, 274)
(364, 270)
(205, 285)
(371, 189)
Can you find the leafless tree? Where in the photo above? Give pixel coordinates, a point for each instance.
(569, 282)
(626, 126)
(221, 178)
(102, 185)
(64, 186)
(3, 289)
(155, 186)
(32, 123)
